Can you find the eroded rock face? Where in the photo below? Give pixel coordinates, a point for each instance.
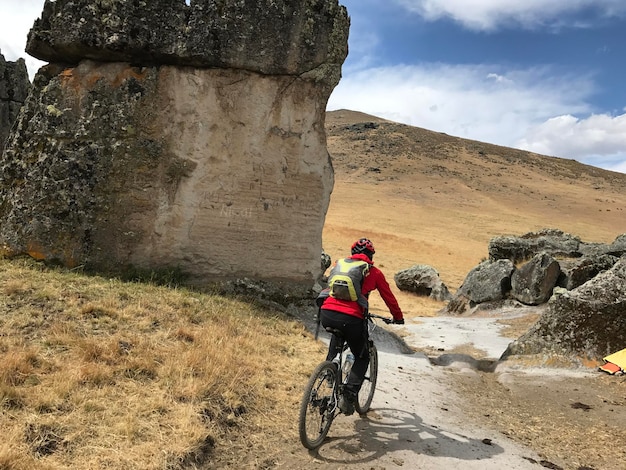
(219, 172)
(14, 88)
(271, 37)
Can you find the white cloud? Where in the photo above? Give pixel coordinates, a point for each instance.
(498, 78)
(476, 102)
(487, 15)
(599, 139)
(16, 19)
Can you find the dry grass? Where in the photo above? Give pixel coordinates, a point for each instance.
(97, 373)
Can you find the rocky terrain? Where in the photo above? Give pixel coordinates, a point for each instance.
(433, 199)
(423, 197)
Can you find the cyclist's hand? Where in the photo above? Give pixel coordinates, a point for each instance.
(399, 322)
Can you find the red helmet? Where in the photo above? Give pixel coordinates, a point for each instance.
(363, 245)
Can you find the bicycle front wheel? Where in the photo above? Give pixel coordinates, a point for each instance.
(318, 406)
(366, 394)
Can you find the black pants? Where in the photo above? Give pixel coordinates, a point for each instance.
(355, 333)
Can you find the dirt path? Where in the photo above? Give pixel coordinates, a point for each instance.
(426, 413)
(414, 423)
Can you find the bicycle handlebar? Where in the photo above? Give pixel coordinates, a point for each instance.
(386, 320)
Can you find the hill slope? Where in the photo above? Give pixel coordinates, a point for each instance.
(430, 198)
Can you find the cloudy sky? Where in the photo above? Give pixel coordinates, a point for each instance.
(546, 76)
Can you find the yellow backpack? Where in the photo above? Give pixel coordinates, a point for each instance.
(345, 280)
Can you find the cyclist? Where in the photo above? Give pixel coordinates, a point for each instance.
(348, 317)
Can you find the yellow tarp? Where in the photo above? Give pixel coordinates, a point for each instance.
(618, 358)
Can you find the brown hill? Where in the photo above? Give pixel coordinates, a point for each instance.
(430, 198)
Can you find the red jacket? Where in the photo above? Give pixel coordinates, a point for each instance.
(374, 280)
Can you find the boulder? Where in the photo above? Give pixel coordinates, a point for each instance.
(322, 279)
(325, 261)
(589, 321)
(552, 241)
(576, 272)
(490, 281)
(618, 247)
(422, 280)
(14, 88)
(459, 304)
(171, 136)
(532, 283)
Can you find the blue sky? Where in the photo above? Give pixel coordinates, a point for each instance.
(546, 76)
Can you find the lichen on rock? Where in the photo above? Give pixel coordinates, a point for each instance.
(172, 135)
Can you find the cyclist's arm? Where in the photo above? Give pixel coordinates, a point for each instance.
(387, 295)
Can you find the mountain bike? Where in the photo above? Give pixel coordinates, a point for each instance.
(320, 401)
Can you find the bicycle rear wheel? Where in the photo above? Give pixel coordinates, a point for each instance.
(318, 406)
(366, 394)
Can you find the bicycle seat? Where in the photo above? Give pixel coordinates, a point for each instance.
(334, 331)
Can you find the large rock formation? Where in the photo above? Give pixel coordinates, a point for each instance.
(14, 88)
(521, 248)
(178, 136)
(538, 271)
(584, 318)
(589, 321)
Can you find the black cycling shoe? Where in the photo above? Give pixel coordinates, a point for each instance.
(346, 403)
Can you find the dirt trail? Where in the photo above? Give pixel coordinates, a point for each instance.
(415, 421)
(436, 200)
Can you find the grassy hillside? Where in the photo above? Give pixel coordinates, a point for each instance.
(425, 197)
(98, 373)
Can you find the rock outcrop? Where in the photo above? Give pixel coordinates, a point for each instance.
(589, 321)
(576, 272)
(553, 242)
(167, 135)
(522, 248)
(489, 281)
(533, 282)
(538, 272)
(580, 286)
(14, 88)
